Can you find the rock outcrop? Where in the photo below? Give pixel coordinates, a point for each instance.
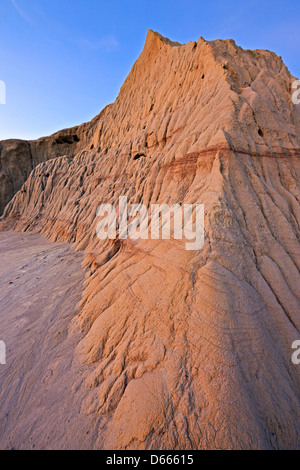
(185, 350)
(19, 157)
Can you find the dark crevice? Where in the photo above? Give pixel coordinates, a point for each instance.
(67, 139)
(30, 156)
(139, 155)
(260, 132)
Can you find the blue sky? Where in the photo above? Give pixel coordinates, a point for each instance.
(64, 60)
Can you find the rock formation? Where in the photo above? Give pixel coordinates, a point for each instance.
(19, 157)
(180, 349)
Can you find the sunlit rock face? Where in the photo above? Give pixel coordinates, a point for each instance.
(178, 349)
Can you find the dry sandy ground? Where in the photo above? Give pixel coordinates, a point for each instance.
(39, 291)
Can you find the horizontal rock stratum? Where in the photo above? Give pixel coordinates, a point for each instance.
(178, 349)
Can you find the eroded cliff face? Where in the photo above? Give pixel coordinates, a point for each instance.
(182, 349)
(19, 157)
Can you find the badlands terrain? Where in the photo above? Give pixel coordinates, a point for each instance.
(141, 344)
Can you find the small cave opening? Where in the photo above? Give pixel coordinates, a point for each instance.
(260, 132)
(203, 77)
(138, 156)
(67, 139)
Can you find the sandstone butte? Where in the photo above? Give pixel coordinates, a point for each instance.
(170, 349)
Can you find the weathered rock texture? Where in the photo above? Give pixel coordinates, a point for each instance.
(19, 157)
(187, 350)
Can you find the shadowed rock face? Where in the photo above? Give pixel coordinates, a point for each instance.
(19, 157)
(181, 349)
(15, 167)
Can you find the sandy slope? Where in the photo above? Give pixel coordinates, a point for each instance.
(40, 286)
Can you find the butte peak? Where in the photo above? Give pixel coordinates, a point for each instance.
(153, 37)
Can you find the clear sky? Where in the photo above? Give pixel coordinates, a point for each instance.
(64, 60)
